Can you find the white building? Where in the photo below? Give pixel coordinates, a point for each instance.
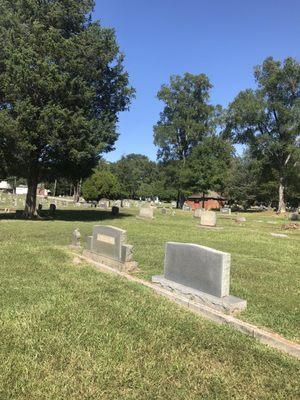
(21, 189)
(4, 185)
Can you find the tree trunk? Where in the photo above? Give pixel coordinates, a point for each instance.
(76, 192)
(30, 204)
(281, 203)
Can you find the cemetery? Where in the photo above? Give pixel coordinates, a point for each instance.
(149, 200)
(83, 294)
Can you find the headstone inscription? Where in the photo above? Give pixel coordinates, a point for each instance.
(208, 218)
(107, 246)
(201, 274)
(146, 213)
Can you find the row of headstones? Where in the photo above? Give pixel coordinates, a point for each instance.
(197, 272)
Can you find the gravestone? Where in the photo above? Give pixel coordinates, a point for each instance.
(115, 210)
(173, 204)
(208, 218)
(295, 217)
(52, 209)
(225, 211)
(103, 204)
(185, 207)
(198, 212)
(201, 274)
(107, 246)
(145, 213)
(164, 211)
(126, 204)
(240, 219)
(76, 238)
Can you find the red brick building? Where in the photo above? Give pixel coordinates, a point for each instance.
(209, 201)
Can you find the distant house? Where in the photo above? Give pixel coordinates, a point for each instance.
(209, 201)
(5, 186)
(21, 189)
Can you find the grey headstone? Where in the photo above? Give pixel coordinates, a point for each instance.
(109, 241)
(115, 210)
(225, 210)
(295, 217)
(208, 218)
(146, 213)
(198, 267)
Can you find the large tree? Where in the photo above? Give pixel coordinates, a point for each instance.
(101, 183)
(186, 119)
(136, 174)
(62, 85)
(267, 120)
(208, 166)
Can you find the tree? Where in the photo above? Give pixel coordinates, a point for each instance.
(267, 119)
(208, 165)
(62, 85)
(185, 120)
(100, 184)
(136, 174)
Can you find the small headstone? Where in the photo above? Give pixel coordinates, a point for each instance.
(201, 274)
(185, 207)
(146, 213)
(126, 204)
(164, 211)
(107, 246)
(115, 210)
(76, 238)
(52, 208)
(173, 204)
(225, 210)
(295, 217)
(208, 218)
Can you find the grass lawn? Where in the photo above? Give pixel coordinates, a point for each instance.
(71, 332)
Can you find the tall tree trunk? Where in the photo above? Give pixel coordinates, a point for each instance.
(76, 192)
(30, 203)
(281, 202)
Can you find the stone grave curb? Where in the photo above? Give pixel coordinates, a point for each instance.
(269, 338)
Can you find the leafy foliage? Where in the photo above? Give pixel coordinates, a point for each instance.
(62, 85)
(101, 184)
(268, 119)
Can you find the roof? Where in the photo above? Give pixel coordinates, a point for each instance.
(209, 195)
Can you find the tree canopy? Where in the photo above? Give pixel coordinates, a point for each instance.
(267, 119)
(62, 85)
(101, 184)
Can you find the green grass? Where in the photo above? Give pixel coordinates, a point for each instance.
(71, 332)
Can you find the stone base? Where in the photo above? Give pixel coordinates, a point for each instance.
(228, 304)
(127, 266)
(144, 218)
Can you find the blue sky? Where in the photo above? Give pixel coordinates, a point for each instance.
(224, 39)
